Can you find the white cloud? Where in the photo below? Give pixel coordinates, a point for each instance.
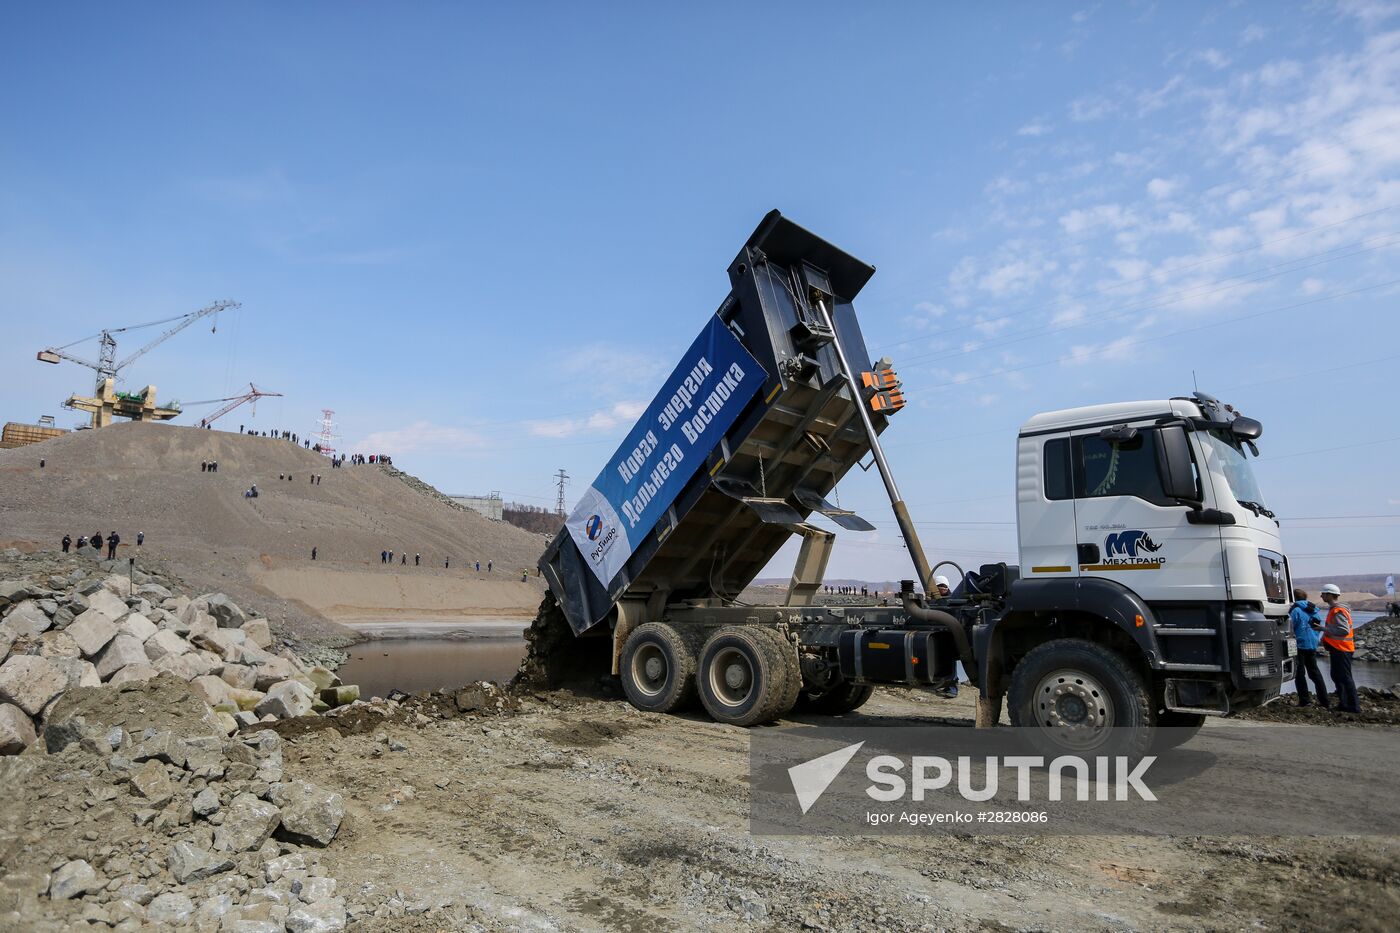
(1214, 58)
(1096, 219)
(1113, 351)
(1162, 188)
(1370, 12)
(1312, 286)
(422, 436)
(619, 414)
(1252, 33)
(1035, 128)
(1092, 107)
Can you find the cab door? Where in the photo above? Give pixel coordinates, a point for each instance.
(1129, 531)
(1045, 508)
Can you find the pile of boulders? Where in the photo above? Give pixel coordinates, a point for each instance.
(89, 627)
(1379, 640)
(169, 825)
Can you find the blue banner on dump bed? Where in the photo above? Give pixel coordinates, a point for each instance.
(706, 392)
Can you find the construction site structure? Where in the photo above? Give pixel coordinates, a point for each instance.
(490, 505)
(106, 403)
(252, 395)
(22, 435)
(325, 433)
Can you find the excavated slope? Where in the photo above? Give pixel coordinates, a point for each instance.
(147, 477)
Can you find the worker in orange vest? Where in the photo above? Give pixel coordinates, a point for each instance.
(1337, 637)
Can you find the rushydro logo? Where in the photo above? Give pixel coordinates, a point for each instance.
(594, 526)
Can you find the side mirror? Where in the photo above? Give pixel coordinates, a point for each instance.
(1246, 428)
(1174, 464)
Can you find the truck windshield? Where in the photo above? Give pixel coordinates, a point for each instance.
(1236, 467)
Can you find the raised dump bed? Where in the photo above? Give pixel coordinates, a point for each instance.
(744, 441)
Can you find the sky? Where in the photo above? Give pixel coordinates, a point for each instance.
(482, 234)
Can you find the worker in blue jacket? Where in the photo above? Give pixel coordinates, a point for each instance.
(1307, 628)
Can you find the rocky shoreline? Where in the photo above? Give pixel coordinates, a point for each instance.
(1379, 640)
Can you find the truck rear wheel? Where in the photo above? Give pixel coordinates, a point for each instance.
(842, 698)
(742, 676)
(1078, 697)
(658, 669)
(792, 669)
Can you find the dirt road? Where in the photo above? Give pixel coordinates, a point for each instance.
(573, 813)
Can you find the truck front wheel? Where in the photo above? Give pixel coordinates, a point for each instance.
(1077, 697)
(742, 676)
(658, 669)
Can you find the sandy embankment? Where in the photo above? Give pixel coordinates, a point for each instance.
(389, 596)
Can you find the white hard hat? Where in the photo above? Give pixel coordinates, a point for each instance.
(1332, 588)
(942, 581)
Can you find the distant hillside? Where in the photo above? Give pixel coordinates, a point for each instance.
(1373, 583)
(146, 477)
(533, 518)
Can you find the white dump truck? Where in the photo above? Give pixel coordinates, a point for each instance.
(1152, 589)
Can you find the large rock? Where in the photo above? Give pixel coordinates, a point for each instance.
(56, 644)
(28, 620)
(183, 666)
(224, 610)
(285, 700)
(152, 783)
(246, 700)
(165, 643)
(170, 908)
(106, 603)
(133, 672)
(30, 682)
(213, 690)
(75, 878)
(16, 729)
(7, 640)
(76, 730)
(274, 670)
(92, 631)
(248, 822)
(120, 651)
(137, 626)
(12, 591)
(326, 916)
(224, 642)
(310, 814)
(187, 862)
(78, 672)
(240, 676)
(258, 632)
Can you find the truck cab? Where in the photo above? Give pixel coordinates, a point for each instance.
(1141, 527)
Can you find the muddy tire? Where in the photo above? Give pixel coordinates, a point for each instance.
(657, 669)
(841, 699)
(1077, 697)
(742, 676)
(1175, 729)
(792, 669)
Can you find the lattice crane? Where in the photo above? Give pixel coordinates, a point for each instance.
(252, 395)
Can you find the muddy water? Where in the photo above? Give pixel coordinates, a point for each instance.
(417, 657)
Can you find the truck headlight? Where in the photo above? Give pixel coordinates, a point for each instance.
(1254, 650)
(1255, 671)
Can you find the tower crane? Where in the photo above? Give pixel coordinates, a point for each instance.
(107, 403)
(252, 395)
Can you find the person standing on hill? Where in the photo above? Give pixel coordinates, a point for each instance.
(478, 566)
(313, 552)
(446, 562)
(140, 538)
(113, 540)
(403, 559)
(489, 565)
(67, 543)
(204, 466)
(383, 557)
(1306, 619)
(415, 560)
(96, 541)
(82, 542)
(1337, 636)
